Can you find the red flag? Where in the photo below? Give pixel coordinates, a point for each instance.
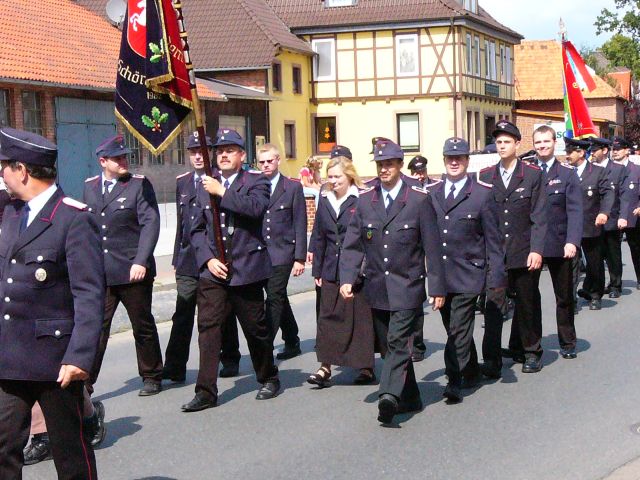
(579, 65)
(578, 110)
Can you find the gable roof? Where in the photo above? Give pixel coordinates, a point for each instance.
(47, 48)
(538, 73)
(230, 34)
(311, 14)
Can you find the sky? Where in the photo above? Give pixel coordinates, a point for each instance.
(538, 19)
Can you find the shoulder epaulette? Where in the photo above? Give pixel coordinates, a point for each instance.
(91, 179)
(74, 203)
(372, 180)
(366, 190)
(531, 165)
(433, 184)
(137, 175)
(294, 179)
(484, 184)
(183, 175)
(255, 172)
(421, 190)
(566, 165)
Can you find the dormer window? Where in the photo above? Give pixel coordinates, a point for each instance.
(340, 3)
(471, 5)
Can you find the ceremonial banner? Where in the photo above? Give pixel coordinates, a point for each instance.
(578, 120)
(153, 92)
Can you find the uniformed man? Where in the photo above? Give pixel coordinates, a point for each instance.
(285, 232)
(472, 244)
(5, 198)
(629, 210)
(236, 286)
(418, 168)
(518, 191)
(341, 151)
(611, 234)
(184, 263)
(563, 211)
(52, 282)
(127, 212)
(394, 226)
(597, 199)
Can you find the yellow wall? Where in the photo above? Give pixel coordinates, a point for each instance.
(289, 107)
(356, 124)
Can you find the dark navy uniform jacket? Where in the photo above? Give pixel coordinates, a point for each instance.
(328, 235)
(395, 246)
(129, 225)
(52, 289)
(471, 240)
(629, 195)
(184, 255)
(563, 209)
(521, 211)
(242, 209)
(597, 197)
(285, 223)
(617, 175)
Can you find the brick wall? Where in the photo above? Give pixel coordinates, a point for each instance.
(247, 78)
(311, 212)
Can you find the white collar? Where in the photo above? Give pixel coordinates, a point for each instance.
(274, 181)
(335, 203)
(581, 168)
(624, 162)
(393, 192)
(231, 179)
(38, 202)
(459, 185)
(549, 162)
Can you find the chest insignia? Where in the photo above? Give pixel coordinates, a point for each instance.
(41, 274)
(518, 190)
(121, 199)
(555, 181)
(369, 234)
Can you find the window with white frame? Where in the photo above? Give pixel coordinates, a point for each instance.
(508, 67)
(469, 55)
(324, 62)
(5, 113)
(476, 43)
(492, 60)
(487, 65)
(409, 131)
(503, 63)
(407, 54)
(471, 5)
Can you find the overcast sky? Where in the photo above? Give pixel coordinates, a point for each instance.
(538, 19)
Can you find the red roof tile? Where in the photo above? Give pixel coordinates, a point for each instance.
(67, 46)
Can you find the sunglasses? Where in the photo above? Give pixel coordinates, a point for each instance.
(268, 160)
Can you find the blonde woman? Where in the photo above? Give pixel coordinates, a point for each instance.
(345, 334)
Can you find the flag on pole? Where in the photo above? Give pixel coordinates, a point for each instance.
(153, 92)
(576, 78)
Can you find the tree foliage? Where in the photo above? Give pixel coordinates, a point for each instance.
(623, 49)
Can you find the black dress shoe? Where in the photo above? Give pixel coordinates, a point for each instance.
(582, 293)
(199, 402)
(38, 450)
(614, 293)
(364, 378)
(94, 425)
(289, 352)
(228, 371)
(607, 289)
(491, 370)
(452, 393)
(173, 376)
(470, 381)
(532, 364)
(595, 304)
(150, 387)
(568, 353)
(410, 406)
(517, 357)
(417, 356)
(268, 390)
(387, 408)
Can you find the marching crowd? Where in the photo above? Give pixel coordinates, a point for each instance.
(473, 240)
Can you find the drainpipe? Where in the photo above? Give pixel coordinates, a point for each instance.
(455, 83)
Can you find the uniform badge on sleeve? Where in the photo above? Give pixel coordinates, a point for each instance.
(41, 274)
(369, 232)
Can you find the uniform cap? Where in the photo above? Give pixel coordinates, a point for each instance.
(112, 147)
(598, 143)
(375, 140)
(418, 164)
(491, 148)
(387, 150)
(228, 136)
(571, 144)
(193, 141)
(455, 146)
(27, 147)
(340, 151)
(504, 126)
(620, 143)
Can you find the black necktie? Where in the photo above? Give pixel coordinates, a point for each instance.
(544, 167)
(107, 184)
(451, 198)
(226, 184)
(24, 217)
(389, 202)
(199, 186)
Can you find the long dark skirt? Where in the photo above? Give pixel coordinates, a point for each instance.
(345, 329)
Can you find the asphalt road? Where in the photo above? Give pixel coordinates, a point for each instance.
(577, 419)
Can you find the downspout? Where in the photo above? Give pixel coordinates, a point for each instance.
(455, 83)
